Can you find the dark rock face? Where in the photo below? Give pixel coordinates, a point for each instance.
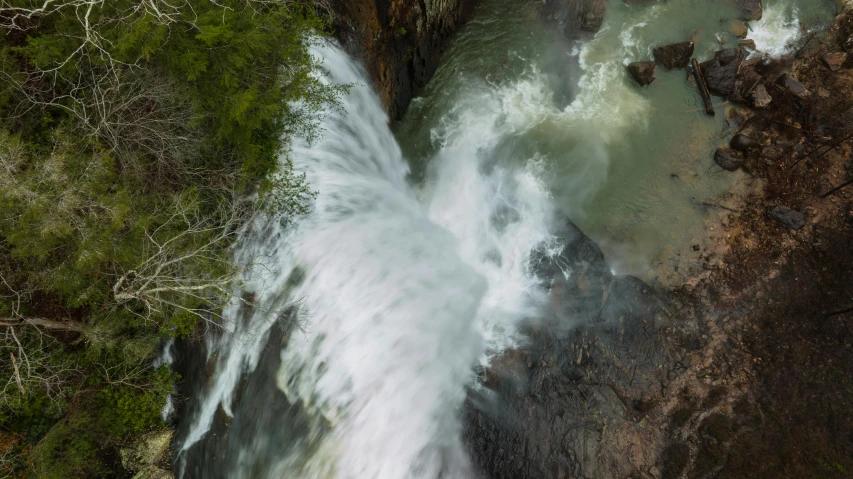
(642, 72)
(727, 159)
(574, 16)
(794, 87)
(751, 9)
(676, 55)
(721, 73)
(565, 405)
(399, 42)
(791, 218)
(741, 142)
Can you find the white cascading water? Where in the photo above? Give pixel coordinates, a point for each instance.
(779, 30)
(400, 300)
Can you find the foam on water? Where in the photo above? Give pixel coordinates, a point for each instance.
(399, 301)
(779, 31)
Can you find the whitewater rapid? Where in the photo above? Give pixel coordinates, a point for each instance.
(401, 293)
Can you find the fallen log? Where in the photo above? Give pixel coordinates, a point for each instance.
(703, 87)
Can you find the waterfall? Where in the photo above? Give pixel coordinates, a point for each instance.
(399, 293)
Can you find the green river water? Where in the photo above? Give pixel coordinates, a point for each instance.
(632, 166)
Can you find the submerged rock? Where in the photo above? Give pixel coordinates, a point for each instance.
(751, 9)
(643, 72)
(738, 28)
(676, 55)
(727, 159)
(791, 218)
(574, 16)
(794, 87)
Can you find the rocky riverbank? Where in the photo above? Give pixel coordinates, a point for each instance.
(745, 369)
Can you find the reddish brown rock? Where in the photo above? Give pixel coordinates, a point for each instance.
(399, 42)
(643, 72)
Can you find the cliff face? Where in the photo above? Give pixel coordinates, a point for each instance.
(400, 41)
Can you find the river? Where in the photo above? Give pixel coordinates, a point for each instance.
(360, 326)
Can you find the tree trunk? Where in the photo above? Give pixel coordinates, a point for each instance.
(72, 326)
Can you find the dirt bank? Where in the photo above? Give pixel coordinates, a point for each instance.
(767, 390)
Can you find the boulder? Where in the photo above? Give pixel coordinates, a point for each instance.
(675, 55)
(573, 16)
(642, 72)
(748, 44)
(721, 73)
(727, 159)
(593, 15)
(835, 60)
(794, 87)
(751, 9)
(747, 80)
(791, 218)
(741, 142)
(760, 97)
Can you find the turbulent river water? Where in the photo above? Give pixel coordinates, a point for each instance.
(360, 326)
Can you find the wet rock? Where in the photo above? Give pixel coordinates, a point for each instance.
(727, 159)
(573, 17)
(738, 28)
(794, 87)
(835, 60)
(591, 366)
(721, 73)
(676, 55)
(751, 9)
(791, 218)
(741, 142)
(760, 97)
(642, 72)
(748, 44)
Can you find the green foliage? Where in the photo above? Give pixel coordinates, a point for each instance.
(70, 449)
(128, 409)
(126, 155)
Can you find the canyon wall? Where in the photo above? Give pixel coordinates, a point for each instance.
(399, 41)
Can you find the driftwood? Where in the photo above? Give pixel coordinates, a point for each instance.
(703, 87)
(71, 326)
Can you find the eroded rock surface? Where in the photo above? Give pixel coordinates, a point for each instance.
(676, 55)
(572, 403)
(400, 42)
